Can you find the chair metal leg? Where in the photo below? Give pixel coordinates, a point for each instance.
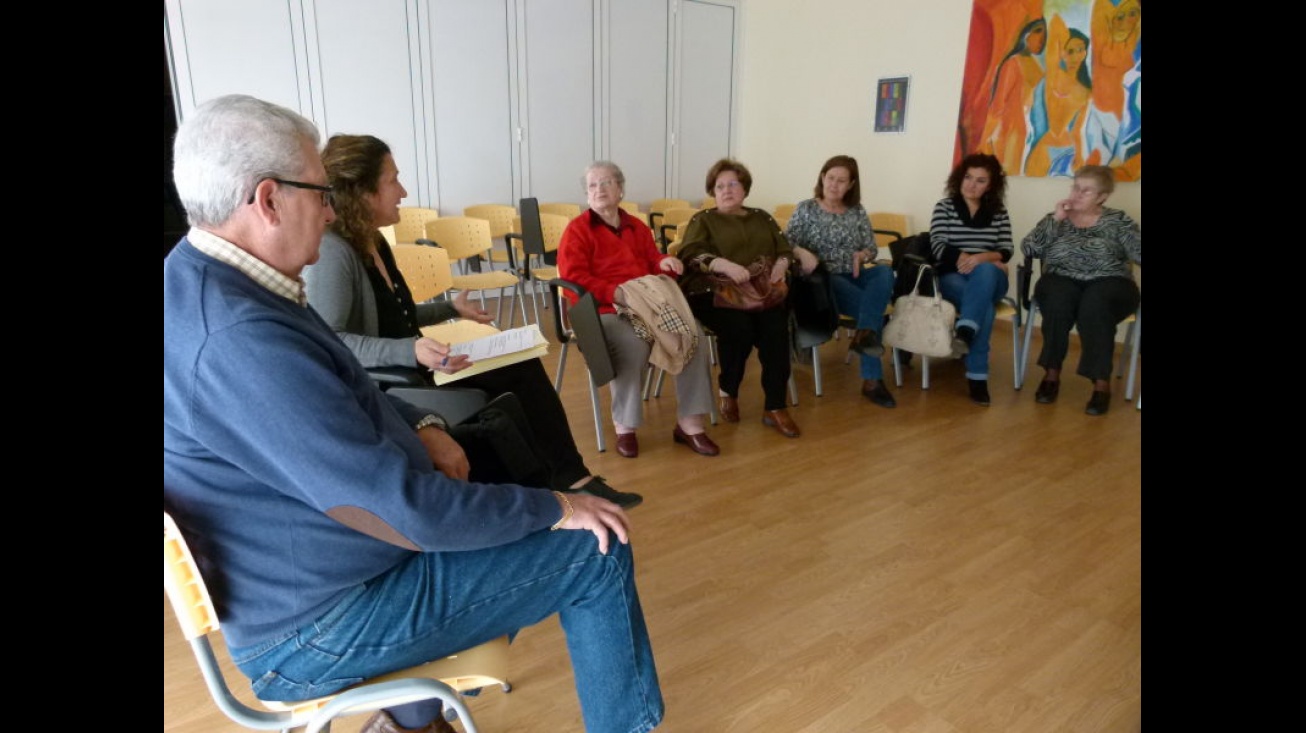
(1015, 347)
(793, 389)
(598, 413)
(925, 372)
(657, 386)
(1133, 339)
(897, 367)
(562, 364)
(1024, 349)
(816, 368)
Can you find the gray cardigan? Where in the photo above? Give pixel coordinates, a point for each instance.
(340, 291)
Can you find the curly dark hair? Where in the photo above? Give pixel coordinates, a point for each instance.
(853, 195)
(726, 164)
(996, 197)
(353, 165)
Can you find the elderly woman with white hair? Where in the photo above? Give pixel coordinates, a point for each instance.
(605, 250)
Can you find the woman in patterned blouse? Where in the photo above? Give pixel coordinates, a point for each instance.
(1086, 283)
(835, 227)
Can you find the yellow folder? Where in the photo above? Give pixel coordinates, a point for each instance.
(458, 332)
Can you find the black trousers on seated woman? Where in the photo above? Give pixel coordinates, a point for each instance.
(1095, 308)
(737, 333)
(544, 413)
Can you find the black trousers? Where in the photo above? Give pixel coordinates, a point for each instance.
(1095, 308)
(551, 433)
(737, 333)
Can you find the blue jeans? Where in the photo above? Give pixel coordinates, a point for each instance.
(438, 603)
(975, 296)
(865, 299)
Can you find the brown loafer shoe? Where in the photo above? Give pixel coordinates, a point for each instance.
(780, 420)
(627, 445)
(729, 409)
(381, 722)
(698, 442)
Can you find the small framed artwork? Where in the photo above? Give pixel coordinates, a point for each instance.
(891, 104)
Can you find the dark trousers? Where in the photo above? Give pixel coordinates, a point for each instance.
(544, 412)
(737, 333)
(1095, 308)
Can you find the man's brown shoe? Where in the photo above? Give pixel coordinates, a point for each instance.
(780, 420)
(381, 722)
(729, 408)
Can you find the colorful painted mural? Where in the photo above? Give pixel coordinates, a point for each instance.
(1051, 85)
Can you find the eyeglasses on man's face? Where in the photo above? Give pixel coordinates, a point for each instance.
(328, 197)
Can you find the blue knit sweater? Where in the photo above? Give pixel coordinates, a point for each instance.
(273, 434)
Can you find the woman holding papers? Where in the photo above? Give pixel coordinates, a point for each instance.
(610, 253)
(358, 290)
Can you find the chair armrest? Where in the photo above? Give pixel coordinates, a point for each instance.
(561, 326)
(387, 377)
(1024, 276)
(427, 242)
(512, 251)
(454, 404)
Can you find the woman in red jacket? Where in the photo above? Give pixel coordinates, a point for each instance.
(601, 250)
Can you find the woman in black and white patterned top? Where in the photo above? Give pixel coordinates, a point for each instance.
(1087, 281)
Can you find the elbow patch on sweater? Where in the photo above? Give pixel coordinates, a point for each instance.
(361, 520)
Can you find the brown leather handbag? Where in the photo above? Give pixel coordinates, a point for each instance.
(757, 294)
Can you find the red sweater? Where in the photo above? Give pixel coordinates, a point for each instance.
(599, 259)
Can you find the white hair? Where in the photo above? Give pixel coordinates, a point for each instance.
(227, 146)
(604, 165)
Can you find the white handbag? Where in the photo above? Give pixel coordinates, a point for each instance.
(922, 324)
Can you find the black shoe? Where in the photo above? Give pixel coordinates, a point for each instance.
(596, 487)
(1047, 392)
(961, 340)
(879, 394)
(867, 342)
(1098, 403)
(979, 391)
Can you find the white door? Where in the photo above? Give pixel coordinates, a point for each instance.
(704, 93)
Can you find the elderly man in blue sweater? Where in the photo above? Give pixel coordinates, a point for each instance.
(345, 539)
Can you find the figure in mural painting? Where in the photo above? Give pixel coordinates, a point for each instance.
(1012, 96)
(1060, 105)
(1114, 131)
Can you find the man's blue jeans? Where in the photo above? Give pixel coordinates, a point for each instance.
(976, 294)
(438, 603)
(865, 299)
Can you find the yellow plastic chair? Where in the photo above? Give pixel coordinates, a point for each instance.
(886, 224)
(781, 213)
(412, 223)
(658, 206)
(672, 218)
(538, 236)
(571, 211)
(467, 238)
(445, 679)
(708, 202)
(632, 208)
(501, 218)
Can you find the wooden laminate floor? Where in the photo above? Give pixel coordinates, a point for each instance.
(935, 568)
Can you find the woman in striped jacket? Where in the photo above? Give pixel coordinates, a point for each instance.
(970, 239)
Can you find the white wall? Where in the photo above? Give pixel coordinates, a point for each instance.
(807, 77)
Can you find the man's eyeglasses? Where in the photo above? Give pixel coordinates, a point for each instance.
(328, 198)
